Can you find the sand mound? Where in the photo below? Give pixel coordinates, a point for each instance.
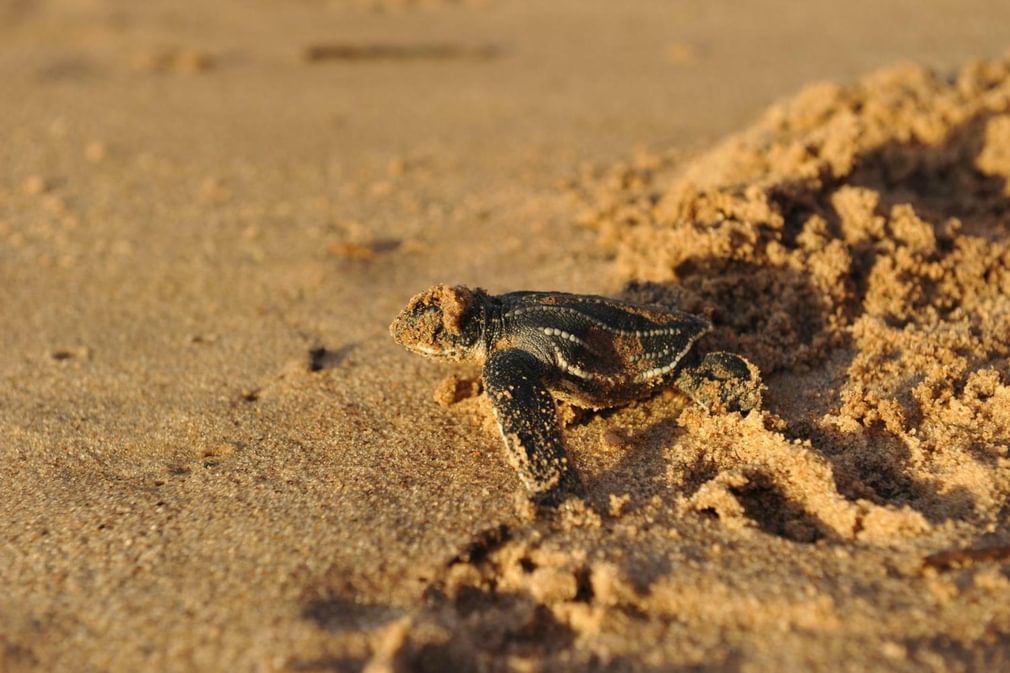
(854, 244)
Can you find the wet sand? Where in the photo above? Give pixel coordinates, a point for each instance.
(213, 457)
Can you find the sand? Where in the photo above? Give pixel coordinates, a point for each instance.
(214, 457)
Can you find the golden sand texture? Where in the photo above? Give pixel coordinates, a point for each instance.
(213, 457)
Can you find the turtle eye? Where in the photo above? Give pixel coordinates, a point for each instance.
(432, 317)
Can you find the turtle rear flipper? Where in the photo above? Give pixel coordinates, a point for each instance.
(528, 418)
(722, 381)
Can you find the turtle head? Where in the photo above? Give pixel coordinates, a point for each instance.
(443, 321)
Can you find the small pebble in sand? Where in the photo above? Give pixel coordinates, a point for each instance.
(215, 452)
(213, 190)
(618, 503)
(193, 60)
(454, 388)
(174, 60)
(893, 650)
(681, 53)
(95, 151)
(76, 353)
(351, 251)
(34, 185)
(396, 168)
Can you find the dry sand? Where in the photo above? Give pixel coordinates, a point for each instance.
(212, 456)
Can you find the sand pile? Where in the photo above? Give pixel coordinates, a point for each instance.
(854, 242)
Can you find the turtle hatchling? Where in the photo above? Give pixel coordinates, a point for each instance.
(593, 352)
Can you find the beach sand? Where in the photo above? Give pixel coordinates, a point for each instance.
(213, 457)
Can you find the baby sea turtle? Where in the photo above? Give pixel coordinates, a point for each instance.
(591, 351)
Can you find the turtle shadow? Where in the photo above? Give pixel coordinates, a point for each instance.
(640, 473)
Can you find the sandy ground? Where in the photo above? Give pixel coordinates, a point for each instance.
(213, 457)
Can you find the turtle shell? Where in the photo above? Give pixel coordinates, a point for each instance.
(600, 352)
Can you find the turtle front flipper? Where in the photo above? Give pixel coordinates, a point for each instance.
(722, 381)
(527, 415)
